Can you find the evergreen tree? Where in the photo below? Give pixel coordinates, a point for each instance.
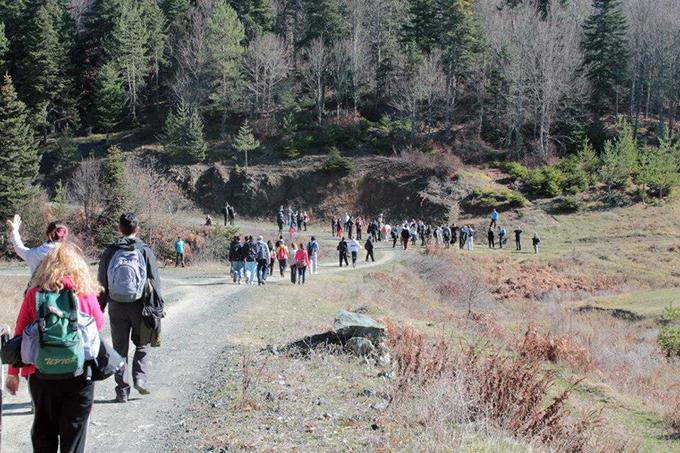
(605, 53)
(422, 26)
(323, 20)
(620, 158)
(19, 156)
(245, 141)
(116, 200)
(155, 22)
(659, 168)
(109, 99)
(62, 154)
(46, 71)
(183, 135)
(224, 35)
(4, 47)
(460, 39)
(257, 16)
(128, 48)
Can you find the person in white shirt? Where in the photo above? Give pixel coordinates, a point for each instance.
(354, 248)
(56, 232)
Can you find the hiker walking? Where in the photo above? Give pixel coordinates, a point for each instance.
(61, 393)
(369, 249)
(454, 234)
(282, 256)
(125, 267)
(395, 237)
(305, 220)
(535, 241)
(494, 218)
(231, 213)
(338, 228)
(405, 237)
(292, 265)
(518, 239)
(236, 260)
(354, 248)
(470, 238)
(301, 264)
(280, 220)
(313, 252)
(492, 242)
(56, 233)
(342, 251)
(350, 226)
(501, 236)
(262, 261)
(272, 257)
(463, 236)
(179, 251)
(225, 213)
(249, 255)
(360, 227)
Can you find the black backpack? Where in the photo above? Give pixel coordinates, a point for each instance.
(342, 247)
(251, 252)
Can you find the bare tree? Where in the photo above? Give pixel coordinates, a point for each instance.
(85, 190)
(265, 66)
(340, 62)
(315, 71)
(357, 11)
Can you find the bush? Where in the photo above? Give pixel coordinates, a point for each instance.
(576, 179)
(496, 198)
(566, 205)
(336, 163)
(517, 171)
(669, 341)
(385, 133)
(546, 182)
(216, 245)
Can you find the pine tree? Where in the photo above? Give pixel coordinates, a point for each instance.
(19, 156)
(620, 158)
(183, 135)
(459, 37)
(605, 53)
(659, 171)
(155, 22)
(245, 141)
(109, 99)
(257, 16)
(421, 28)
(224, 36)
(129, 49)
(46, 71)
(4, 47)
(323, 20)
(116, 199)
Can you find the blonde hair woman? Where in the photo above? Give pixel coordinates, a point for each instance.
(61, 407)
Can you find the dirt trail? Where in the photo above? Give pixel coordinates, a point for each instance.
(190, 340)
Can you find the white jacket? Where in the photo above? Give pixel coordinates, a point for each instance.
(32, 256)
(354, 246)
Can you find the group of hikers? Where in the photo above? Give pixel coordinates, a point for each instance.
(254, 260)
(411, 232)
(295, 221)
(62, 295)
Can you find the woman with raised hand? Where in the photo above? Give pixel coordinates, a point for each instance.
(62, 398)
(56, 232)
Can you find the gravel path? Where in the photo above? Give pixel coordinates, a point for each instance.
(190, 345)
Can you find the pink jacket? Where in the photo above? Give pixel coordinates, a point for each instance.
(302, 255)
(88, 305)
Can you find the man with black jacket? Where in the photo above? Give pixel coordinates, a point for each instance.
(124, 270)
(342, 252)
(236, 259)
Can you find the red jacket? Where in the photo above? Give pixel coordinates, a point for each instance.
(88, 305)
(302, 255)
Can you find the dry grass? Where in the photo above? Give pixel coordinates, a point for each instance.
(538, 346)
(11, 296)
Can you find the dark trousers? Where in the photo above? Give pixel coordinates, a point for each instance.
(262, 271)
(343, 257)
(282, 266)
(179, 260)
(226, 219)
(302, 273)
(358, 233)
(62, 409)
(354, 259)
(369, 254)
(518, 244)
(126, 320)
(492, 244)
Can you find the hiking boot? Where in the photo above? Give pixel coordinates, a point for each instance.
(122, 395)
(142, 388)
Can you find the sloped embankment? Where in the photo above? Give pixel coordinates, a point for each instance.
(377, 184)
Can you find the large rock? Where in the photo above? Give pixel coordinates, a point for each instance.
(348, 325)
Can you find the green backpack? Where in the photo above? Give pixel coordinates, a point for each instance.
(61, 353)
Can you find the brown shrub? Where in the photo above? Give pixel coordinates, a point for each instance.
(539, 346)
(510, 393)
